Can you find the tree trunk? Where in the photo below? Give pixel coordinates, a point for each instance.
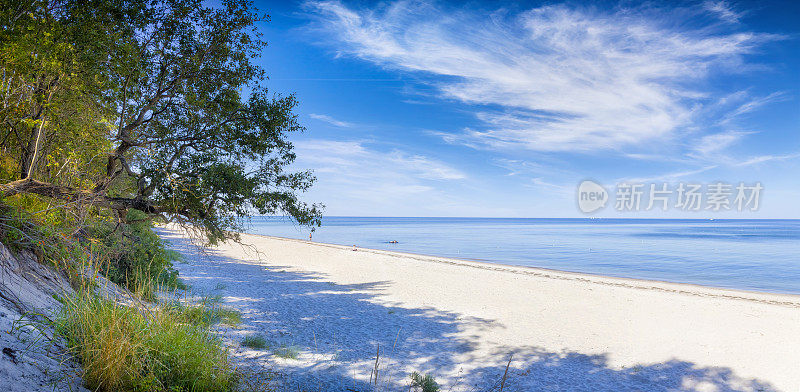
(79, 196)
(30, 152)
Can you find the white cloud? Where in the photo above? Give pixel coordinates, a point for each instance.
(723, 10)
(356, 177)
(666, 177)
(751, 104)
(767, 158)
(717, 142)
(538, 182)
(425, 167)
(354, 159)
(713, 149)
(564, 78)
(721, 161)
(331, 120)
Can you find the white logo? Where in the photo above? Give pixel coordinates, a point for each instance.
(591, 196)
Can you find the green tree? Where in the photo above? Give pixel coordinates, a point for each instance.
(156, 106)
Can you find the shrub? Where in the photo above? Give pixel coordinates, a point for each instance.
(131, 254)
(135, 256)
(52, 245)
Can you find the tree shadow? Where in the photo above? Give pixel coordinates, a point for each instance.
(534, 369)
(338, 329)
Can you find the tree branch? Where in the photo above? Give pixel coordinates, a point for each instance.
(71, 194)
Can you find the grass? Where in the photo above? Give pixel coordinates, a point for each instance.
(209, 311)
(128, 349)
(425, 383)
(286, 352)
(155, 347)
(255, 341)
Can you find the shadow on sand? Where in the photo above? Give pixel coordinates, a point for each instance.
(337, 329)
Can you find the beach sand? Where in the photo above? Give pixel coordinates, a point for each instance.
(461, 321)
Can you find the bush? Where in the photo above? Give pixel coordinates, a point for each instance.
(128, 349)
(52, 245)
(129, 254)
(135, 256)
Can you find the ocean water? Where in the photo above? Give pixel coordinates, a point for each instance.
(760, 255)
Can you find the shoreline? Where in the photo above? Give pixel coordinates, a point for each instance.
(784, 299)
(460, 320)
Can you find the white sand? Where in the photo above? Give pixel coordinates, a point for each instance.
(31, 357)
(461, 320)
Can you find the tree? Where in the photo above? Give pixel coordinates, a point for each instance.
(169, 96)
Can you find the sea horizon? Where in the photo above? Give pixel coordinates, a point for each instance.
(529, 218)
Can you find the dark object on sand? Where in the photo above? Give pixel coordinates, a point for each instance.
(11, 353)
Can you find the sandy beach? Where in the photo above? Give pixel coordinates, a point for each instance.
(461, 321)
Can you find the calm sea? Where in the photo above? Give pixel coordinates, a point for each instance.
(761, 255)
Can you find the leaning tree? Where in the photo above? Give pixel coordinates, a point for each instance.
(158, 106)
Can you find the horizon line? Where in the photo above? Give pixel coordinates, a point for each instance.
(502, 217)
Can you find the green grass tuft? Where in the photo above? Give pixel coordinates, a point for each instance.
(426, 383)
(255, 341)
(209, 311)
(286, 352)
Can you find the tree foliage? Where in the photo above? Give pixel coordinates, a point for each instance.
(158, 106)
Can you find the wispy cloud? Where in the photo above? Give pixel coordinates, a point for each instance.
(720, 160)
(767, 158)
(355, 159)
(667, 177)
(724, 11)
(358, 176)
(751, 104)
(553, 78)
(331, 120)
(709, 145)
(535, 174)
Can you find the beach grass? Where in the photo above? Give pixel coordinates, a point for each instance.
(255, 341)
(126, 348)
(424, 383)
(286, 352)
(209, 311)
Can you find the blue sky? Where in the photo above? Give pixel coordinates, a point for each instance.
(425, 108)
